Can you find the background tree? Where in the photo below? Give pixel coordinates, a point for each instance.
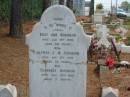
(99, 6)
(91, 12)
(69, 4)
(16, 19)
(125, 5)
(61, 2)
(46, 4)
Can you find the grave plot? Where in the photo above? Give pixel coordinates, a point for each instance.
(110, 74)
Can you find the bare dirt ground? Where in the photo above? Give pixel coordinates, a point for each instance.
(14, 64)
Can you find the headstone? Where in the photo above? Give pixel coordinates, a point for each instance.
(102, 29)
(99, 30)
(125, 48)
(97, 19)
(8, 91)
(110, 92)
(103, 40)
(5, 93)
(57, 55)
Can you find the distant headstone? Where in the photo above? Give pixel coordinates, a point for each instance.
(125, 48)
(110, 92)
(97, 19)
(8, 91)
(99, 30)
(103, 40)
(102, 29)
(57, 55)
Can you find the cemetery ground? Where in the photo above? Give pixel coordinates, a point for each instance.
(14, 65)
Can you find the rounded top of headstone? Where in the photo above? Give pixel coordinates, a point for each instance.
(58, 12)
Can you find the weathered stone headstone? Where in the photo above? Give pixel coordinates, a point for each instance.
(5, 93)
(99, 30)
(103, 40)
(8, 91)
(110, 92)
(57, 55)
(97, 19)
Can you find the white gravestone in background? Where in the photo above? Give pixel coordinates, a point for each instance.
(8, 91)
(99, 30)
(103, 39)
(97, 19)
(5, 93)
(110, 92)
(57, 55)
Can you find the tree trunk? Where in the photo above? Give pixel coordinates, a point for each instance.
(91, 11)
(46, 4)
(16, 19)
(69, 4)
(61, 2)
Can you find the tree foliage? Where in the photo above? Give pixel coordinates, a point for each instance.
(125, 5)
(5, 6)
(99, 6)
(31, 9)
